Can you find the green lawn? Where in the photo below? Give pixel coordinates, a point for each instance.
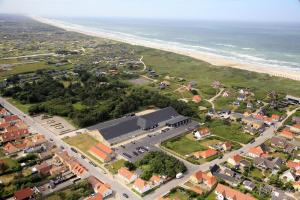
(23, 107)
(211, 196)
(115, 166)
(231, 132)
(179, 195)
(183, 145)
(257, 173)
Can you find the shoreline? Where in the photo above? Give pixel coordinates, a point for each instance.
(196, 54)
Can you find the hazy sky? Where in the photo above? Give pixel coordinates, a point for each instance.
(250, 10)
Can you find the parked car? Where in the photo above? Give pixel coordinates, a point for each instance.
(125, 195)
(74, 150)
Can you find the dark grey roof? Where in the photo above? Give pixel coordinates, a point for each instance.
(177, 119)
(121, 128)
(160, 115)
(249, 184)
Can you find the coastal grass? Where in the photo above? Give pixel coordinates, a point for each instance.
(167, 63)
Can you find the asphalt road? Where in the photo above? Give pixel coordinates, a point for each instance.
(95, 171)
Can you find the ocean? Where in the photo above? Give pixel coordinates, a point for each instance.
(269, 44)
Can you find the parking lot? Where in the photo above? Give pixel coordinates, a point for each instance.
(135, 150)
(55, 124)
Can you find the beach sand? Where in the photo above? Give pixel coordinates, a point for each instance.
(204, 56)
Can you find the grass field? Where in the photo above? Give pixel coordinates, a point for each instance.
(115, 166)
(183, 145)
(231, 132)
(179, 195)
(23, 107)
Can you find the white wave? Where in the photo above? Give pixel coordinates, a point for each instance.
(226, 45)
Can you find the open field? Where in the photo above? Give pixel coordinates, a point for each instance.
(23, 107)
(183, 145)
(231, 132)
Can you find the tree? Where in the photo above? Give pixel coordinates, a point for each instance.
(129, 165)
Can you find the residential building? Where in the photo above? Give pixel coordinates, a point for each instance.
(226, 146)
(257, 152)
(156, 180)
(278, 142)
(249, 185)
(103, 157)
(127, 175)
(208, 179)
(141, 186)
(205, 154)
(295, 128)
(201, 133)
(224, 192)
(9, 149)
(267, 164)
(293, 165)
(95, 197)
(286, 133)
(100, 187)
(43, 168)
(235, 160)
(24, 194)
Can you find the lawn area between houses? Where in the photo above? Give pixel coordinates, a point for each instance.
(183, 145)
(229, 131)
(115, 166)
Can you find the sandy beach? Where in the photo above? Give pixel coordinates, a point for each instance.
(210, 58)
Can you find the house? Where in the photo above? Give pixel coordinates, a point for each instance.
(205, 154)
(214, 169)
(224, 192)
(286, 133)
(10, 119)
(24, 194)
(156, 180)
(11, 134)
(296, 120)
(296, 185)
(244, 164)
(230, 177)
(9, 148)
(38, 139)
(201, 133)
(235, 160)
(267, 164)
(249, 185)
(293, 165)
(95, 197)
(236, 117)
(275, 118)
(295, 128)
(127, 175)
(289, 176)
(241, 98)
(196, 98)
(225, 94)
(100, 187)
(278, 142)
(226, 146)
(4, 112)
(208, 179)
(141, 186)
(280, 195)
(254, 123)
(256, 152)
(43, 168)
(65, 162)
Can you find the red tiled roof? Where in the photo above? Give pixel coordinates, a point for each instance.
(123, 171)
(206, 154)
(23, 194)
(11, 118)
(104, 148)
(232, 194)
(140, 183)
(99, 153)
(96, 197)
(292, 164)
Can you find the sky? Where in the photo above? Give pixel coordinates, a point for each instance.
(237, 10)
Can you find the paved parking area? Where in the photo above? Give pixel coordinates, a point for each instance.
(55, 124)
(136, 150)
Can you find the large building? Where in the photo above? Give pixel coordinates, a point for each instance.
(118, 130)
